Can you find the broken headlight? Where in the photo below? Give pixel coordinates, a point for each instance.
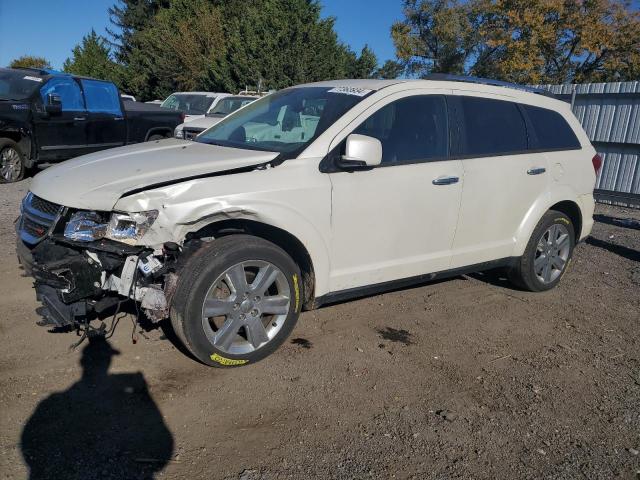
(130, 227)
(85, 227)
(121, 227)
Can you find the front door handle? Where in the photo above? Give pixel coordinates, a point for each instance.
(446, 180)
(536, 170)
(79, 119)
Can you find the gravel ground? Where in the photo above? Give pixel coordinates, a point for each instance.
(466, 378)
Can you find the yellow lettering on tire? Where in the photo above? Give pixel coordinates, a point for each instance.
(227, 362)
(297, 292)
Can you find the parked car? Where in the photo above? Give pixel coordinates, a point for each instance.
(316, 194)
(47, 116)
(194, 104)
(226, 106)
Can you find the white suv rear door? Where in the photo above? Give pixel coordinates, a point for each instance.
(502, 179)
(397, 220)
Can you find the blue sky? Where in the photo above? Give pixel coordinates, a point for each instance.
(52, 28)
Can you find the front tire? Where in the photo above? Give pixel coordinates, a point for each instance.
(11, 162)
(548, 254)
(238, 298)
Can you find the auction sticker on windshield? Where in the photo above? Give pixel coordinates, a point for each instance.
(358, 92)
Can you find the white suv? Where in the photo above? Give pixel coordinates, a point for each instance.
(314, 194)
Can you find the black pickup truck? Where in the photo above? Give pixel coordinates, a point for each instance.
(48, 116)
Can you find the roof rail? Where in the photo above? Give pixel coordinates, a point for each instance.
(487, 81)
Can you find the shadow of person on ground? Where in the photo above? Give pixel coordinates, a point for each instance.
(105, 426)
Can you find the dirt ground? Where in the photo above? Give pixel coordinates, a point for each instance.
(465, 378)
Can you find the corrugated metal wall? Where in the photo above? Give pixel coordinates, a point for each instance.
(610, 114)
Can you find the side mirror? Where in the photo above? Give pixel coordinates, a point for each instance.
(54, 104)
(361, 152)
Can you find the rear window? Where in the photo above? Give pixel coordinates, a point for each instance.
(101, 97)
(552, 132)
(492, 127)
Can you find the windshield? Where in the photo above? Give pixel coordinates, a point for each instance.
(229, 105)
(286, 121)
(189, 103)
(17, 84)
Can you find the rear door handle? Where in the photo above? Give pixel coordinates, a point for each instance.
(79, 119)
(446, 180)
(536, 171)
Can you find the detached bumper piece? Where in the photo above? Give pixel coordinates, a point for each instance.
(56, 313)
(64, 280)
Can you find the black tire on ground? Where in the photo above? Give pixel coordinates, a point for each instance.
(9, 176)
(523, 273)
(197, 276)
(155, 137)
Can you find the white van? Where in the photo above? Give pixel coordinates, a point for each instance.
(315, 194)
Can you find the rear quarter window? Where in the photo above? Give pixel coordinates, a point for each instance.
(551, 130)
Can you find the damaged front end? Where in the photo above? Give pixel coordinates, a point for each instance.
(77, 281)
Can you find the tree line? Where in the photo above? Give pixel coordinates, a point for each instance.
(155, 47)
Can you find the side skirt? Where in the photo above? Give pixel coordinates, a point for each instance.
(370, 290)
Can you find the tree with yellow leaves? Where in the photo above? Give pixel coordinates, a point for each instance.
(524, 41)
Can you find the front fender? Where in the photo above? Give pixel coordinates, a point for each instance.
(301, 208)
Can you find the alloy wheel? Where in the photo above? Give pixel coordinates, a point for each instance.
(246, 307)
(10, 165)
(552, 253)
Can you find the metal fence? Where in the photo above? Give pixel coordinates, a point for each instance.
(610, 114)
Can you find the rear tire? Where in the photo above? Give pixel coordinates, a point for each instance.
(238, 298)
(155, 137)
(11, 162)
(547, 255)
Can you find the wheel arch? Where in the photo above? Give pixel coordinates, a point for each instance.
(282, 238)
(563, 201)
(571, 210)
(167, 132)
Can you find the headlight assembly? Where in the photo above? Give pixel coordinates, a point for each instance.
(130, 227)
(121, 227)
(178, 133)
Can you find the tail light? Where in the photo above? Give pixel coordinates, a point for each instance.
(597, 163)
(183, 116)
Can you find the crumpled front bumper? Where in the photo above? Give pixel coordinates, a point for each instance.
(64, 280)
(74, 280)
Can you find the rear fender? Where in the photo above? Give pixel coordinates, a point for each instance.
(561, 194)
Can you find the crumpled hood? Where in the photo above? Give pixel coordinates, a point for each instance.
(98, 180)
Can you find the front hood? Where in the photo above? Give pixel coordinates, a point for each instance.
(204, 122)
(13, 112)
(97, 181)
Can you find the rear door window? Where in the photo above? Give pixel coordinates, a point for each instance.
(491, 127)
(101, 97)
(552, 132)
(412, 129)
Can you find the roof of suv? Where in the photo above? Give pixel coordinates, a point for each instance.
(456, 81)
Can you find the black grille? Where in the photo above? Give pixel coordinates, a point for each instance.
(191, 133)
(38, 217)
(44, 206)
(32, 228)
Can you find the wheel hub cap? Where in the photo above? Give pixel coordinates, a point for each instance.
(10, 164)
(246, 307)
(552, 253)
